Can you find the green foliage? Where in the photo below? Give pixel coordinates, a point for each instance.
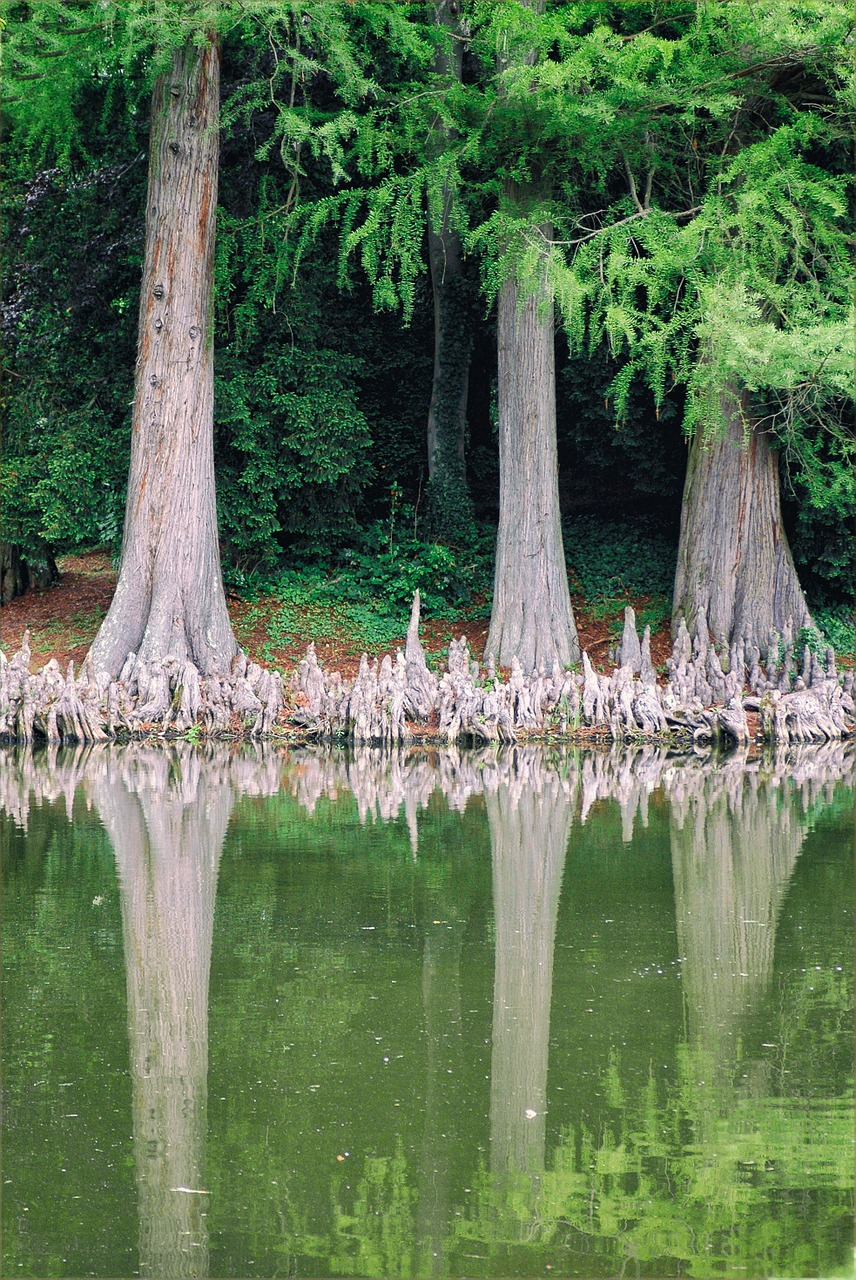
(609, 558)
(753, 292)
(294, 449)
(72, 258)
(837, 625)
(362, 598)
(309, 610)
(614, 562)
(699, 240)
(390, 563)
(820, 495)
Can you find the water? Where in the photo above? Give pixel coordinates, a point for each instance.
(453, 1015)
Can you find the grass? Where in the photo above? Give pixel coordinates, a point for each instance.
(354, 628)
(68, 633)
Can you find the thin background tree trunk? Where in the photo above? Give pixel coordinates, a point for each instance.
(170, 598)
(735, 572)
(449, 506)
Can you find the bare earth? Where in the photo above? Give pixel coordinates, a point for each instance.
(64, 618)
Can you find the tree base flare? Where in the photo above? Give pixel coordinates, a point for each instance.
(166, 698)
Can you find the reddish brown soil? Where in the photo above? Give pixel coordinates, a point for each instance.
(64, 618)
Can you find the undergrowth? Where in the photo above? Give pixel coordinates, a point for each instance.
(362, 595)
(613, 563)
(837, 626)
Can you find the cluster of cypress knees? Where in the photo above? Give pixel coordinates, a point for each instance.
(798, 698)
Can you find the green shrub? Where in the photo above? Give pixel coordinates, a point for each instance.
(389, 563)
(608, 558)
(836, 625)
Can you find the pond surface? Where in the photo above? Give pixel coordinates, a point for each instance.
(427, 1014)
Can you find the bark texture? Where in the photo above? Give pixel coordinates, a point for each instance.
(532, 618)
(169, 600)
(449, 511)
(736, 576)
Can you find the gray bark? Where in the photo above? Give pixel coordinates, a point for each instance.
(449, 506)
(735, 575)
(532, 618)
(169, 599)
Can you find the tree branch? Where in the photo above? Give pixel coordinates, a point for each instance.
(632, 182)
(633, 217)
(661, 23)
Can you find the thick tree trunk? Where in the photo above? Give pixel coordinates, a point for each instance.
(532, 618)
(449, 506)
(170, 598)
(735, 573)
(14, 574)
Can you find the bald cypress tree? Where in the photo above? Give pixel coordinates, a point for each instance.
(170, 599)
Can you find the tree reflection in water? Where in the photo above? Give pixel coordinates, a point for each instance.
(735, 841)
(634, 1191)
(530, 812)
(166, 817)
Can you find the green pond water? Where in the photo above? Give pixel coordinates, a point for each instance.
(426, 1013)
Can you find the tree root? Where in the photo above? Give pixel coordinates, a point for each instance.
(705, 697)
(169, 698)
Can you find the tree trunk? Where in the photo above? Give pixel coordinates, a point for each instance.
(14, 575)
(449, 513)
(449, 507)
(532, 618)
(170, 598)
(735, 573)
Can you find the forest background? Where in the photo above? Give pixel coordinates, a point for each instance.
(679, 174)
